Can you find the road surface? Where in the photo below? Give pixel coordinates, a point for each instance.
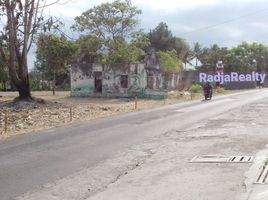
(29, 162)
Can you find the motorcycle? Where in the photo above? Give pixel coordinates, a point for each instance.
(208, 94)
(207, 91)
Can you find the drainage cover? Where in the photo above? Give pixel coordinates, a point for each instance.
(222, 159)
(241, 159)
(262, 178)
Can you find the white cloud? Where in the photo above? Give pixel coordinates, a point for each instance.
(259, 25)
(76, 7)
(61, 11)
(183, 28)
(73, 8)
(174, 5)
(233, 32)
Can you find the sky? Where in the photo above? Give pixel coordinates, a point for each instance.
(224, 22)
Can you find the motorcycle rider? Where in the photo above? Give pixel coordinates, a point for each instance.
(207, 88)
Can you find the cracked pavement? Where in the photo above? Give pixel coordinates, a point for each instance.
(158, 167)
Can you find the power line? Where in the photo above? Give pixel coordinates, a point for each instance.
(66, 35)
(224, 22)
(68, 1)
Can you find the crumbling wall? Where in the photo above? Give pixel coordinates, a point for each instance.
(119, 80)
(137, 77)
(112, 85)
(187, 78)
(156, 80)
(82, 80)
(170, 81)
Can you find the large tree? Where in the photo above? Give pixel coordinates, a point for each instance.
(112, 23)
(54, 55)
(162, 39)
(88, 49)
(129, 52)
(22, 19)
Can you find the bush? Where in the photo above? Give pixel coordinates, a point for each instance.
(220, 90)
(195, 88)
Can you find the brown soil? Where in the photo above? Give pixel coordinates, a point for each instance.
(25, 117)
(20, 117)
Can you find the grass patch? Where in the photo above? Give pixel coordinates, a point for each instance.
(195, 88)
(220, 91)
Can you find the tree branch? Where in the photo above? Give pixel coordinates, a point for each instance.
(34, 26)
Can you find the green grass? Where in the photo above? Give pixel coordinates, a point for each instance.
(195, 88)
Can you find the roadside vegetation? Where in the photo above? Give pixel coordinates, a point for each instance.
(196, 88)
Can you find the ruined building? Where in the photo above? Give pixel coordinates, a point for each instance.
(122, 80)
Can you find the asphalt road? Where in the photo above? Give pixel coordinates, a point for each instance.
(30, 161)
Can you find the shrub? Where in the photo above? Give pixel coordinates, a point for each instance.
(195, 88)
(220, 90)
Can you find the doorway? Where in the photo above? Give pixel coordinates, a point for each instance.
(98, 82)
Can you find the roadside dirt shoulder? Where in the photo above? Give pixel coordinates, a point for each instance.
(24, 117)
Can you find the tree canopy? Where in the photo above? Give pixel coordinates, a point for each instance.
(109, 27)
(245, 57)
(109, 21)
(88, 48)
(161, 38)
(248, 57)
(54, 54)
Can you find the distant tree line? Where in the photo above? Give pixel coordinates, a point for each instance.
(245, 57)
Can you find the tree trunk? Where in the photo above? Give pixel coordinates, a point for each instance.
(21, 81)
(18, 68)
(24, 90)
